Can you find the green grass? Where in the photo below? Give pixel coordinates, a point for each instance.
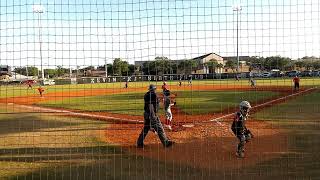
(33, 141)
(198, 102)
(21, 90)
(300, 118)
(201, 102)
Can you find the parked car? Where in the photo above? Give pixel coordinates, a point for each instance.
(293, 73)
(316, 73)
(49, 82)
(307, 73)
(266, 74)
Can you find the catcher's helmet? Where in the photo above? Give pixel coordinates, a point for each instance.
(245, 107)
(245, 104)
(152, 87)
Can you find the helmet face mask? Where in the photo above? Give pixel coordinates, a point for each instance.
(245, 108)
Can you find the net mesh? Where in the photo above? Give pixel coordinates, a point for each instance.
(74, 76)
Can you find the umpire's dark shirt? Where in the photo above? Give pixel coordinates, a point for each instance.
(151, 98)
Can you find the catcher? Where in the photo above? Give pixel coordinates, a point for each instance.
(239, 127)
(151, 119)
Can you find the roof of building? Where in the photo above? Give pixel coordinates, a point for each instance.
(241, 58)
(206, 55)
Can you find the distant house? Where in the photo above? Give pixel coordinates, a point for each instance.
(202, 60)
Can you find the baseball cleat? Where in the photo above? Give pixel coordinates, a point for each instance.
(169, 144)
(240, 154)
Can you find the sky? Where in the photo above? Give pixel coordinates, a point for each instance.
(94, 32)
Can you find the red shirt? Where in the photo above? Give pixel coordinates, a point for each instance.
(40, 90)
(164, 87)
(296, 79)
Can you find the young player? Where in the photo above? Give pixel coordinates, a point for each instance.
(151, 119)
(164, 87)
(40, 90)
(296, 81)
(167, 108)
(252, 82)
(180, 83)
(239, 128)
(126, 85)
(190, 80)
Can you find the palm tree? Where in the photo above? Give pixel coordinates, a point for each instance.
(212, 64)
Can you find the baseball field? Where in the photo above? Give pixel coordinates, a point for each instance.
(89, 131)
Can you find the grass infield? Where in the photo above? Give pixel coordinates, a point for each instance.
(190, 102)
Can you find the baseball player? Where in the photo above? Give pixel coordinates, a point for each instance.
(252, 82)
(164, 87)
(180, 83)
(126, 85)
(167, 108)
(239, 128)
(190, 80)
(40, 90)
(151, 119)
(296, 81)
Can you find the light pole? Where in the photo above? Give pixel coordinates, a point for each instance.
(39, 9)
(106, 67)
(237, 8)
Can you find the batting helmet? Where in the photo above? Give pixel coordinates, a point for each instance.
(152, 87)
(245, 104)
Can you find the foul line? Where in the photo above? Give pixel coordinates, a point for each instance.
(91, 116)
(263, 104)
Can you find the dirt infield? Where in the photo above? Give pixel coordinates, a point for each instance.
(204, 145)
(35, 98)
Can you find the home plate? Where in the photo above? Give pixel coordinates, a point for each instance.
(188, 125)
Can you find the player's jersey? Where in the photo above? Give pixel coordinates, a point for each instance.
(296, 80)
(166, 102)
(164, 87)
(239, 124)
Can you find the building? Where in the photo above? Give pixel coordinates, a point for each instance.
(202, 67)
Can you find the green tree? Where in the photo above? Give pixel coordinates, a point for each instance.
(231, 64)
(32, 71)
(60, 71)
(50, 72)
(120, 67)
(212, 64)
(277, 62)
(187, 66)
(162, 65)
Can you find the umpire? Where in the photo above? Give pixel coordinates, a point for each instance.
(151, 119)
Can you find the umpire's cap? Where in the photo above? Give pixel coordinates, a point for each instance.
(152, 87)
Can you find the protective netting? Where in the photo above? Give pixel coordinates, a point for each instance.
(74, 75)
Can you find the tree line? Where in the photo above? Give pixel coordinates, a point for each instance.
(163, 65)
